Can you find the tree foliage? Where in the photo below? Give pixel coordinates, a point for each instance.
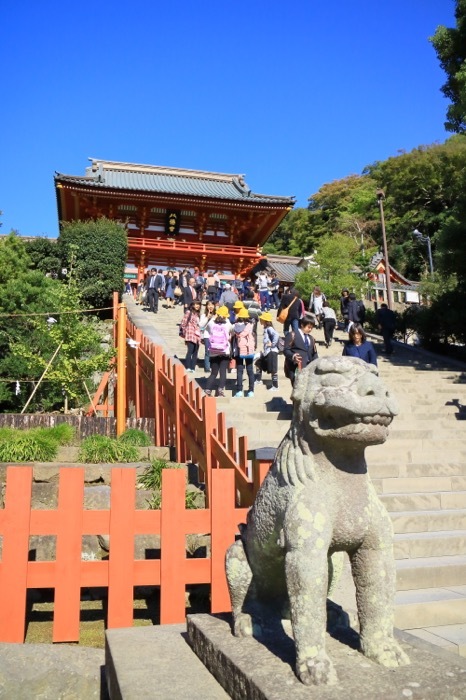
(450, 45)
(44, 255)
(28, 342)
(333, 271)
(100, 249)
(288, 236)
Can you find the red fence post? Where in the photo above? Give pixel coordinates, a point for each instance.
(14, 525)
(172, 547)
(121, 556)
(225, 519)
(68, 555)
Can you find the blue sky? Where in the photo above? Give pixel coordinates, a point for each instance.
(292, 94)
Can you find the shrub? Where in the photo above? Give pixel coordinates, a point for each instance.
(135, 437)
(100, 448)
(151, 479)
(63, 433)
(28, 446)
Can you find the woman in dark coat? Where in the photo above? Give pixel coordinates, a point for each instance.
(294, 311)
(359, 346)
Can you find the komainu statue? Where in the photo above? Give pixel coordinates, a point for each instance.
(318, 499)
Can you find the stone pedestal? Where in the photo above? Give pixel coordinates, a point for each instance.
(264, 670)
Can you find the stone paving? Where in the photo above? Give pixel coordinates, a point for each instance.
(420, 473)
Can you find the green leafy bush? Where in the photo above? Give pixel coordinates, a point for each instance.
(132, 436)
(151, 479)
(100, 448)
(28, 446)
(63, 433)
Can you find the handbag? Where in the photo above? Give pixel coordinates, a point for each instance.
(178, 292)
(283, 315)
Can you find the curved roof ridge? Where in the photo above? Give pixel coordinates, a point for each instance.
(164, 170)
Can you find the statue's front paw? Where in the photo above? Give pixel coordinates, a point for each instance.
(243, 625)
(386, 652)
(316, 669)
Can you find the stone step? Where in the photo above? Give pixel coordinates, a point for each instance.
(452, 638)
(428, 521)
(422, 432)
(421, 545)
(431, 572)
(381, 470)
(155, 663)
(441, 500)
(429, 607)
(419, 484)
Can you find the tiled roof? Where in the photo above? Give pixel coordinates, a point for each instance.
(286, 272)
(174, 181)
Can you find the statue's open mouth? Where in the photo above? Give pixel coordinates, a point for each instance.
(378, 419)
(339, 419)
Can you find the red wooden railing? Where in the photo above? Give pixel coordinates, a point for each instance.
(185, 419)
(68, 574)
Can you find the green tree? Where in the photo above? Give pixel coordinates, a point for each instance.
(333, 271)
(79, 339)
(25, 292)
(44, 255)
(450, 45)
(100, 248)
(294, 227)
(27, 341)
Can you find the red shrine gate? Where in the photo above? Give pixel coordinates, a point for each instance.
(175, 217)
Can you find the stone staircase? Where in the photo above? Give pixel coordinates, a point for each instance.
(419, 474)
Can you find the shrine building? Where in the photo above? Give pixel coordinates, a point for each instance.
(175, 218)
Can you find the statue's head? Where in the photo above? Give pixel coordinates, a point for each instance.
(343, 398)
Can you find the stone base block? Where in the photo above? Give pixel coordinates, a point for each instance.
(264, 670)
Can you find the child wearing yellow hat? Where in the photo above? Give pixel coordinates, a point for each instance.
(269, 356)
(244, 348)
(219, 351)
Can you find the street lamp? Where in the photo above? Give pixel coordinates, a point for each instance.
(425, 239)
(380, 197)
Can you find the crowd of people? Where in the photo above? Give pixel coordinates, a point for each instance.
(224, 317)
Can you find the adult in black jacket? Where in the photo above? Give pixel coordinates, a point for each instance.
(356, 310)
(300, 347)
(154, 285)
(386, 320)
(294, 311)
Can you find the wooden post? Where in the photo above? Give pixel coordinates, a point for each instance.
(121, 370)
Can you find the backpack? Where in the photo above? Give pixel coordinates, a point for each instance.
(219, 338)
(245, 341)
(182, 330)
(361, 311)
(281, 344)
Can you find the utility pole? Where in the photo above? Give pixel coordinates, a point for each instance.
(121, 370)
(388, 283)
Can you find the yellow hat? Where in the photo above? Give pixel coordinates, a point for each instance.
(242, 313)
(223, 312)
(266, 316)
(238, 304)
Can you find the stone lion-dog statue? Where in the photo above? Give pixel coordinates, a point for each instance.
(318, 499)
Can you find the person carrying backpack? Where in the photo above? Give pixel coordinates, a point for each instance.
(244, 351)
(356, 311)
(269, 357)
(219, 351)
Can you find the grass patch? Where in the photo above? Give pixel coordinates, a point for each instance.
(28, 446)
(135, 437)
(151, 479)
(100, 448)
(35, 444)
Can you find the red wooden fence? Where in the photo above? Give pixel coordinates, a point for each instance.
(185, 419)
(68, 574)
